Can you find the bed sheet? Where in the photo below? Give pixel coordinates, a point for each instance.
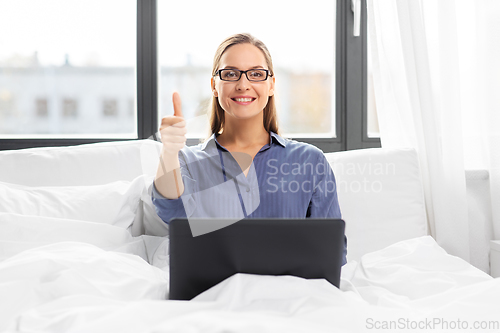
(59, 275)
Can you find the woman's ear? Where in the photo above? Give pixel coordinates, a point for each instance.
(214, 91)
(271, 91)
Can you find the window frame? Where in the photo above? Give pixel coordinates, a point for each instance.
(351, 82)
(357, 83)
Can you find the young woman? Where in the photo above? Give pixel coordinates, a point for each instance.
(245, 169)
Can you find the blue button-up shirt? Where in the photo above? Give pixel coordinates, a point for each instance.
(286, 179)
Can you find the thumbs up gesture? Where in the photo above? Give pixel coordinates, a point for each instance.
(173, 129)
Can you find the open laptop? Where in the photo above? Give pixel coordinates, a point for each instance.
(307, 248)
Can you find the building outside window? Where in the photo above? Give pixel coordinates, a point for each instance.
(60, 63)
(131, 107)
(7, 105)
(321, 95)
(69, 108)
(304, 61)
(110, 107)
(42, 109)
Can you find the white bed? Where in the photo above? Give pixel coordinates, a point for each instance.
(81, 251)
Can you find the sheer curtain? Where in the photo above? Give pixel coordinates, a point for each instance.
(436, 77)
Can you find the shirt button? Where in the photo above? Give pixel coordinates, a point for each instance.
(248, 190)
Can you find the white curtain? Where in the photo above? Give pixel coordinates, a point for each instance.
(436, 77)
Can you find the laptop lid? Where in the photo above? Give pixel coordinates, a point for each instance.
(307, 248)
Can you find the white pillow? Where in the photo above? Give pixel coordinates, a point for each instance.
(84, 165)
(152, 223)
(115, 203)
(381, 197)
(88, 164)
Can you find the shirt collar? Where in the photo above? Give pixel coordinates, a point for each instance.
(207, 141)
(274, 138)
(278, 138)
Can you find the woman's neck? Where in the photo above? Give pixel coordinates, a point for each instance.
(244, 133)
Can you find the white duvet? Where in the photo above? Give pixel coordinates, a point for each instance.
(60, 275)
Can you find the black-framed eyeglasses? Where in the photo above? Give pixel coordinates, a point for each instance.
(254, 75)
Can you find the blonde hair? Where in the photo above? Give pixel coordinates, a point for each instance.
(217, 112)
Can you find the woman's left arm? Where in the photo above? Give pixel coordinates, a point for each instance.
(324, 201)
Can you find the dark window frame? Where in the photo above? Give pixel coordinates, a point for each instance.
(351, 83)
(356, 82)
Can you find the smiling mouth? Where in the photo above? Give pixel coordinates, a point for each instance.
(243, 100)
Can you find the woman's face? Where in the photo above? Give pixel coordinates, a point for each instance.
(243, 99)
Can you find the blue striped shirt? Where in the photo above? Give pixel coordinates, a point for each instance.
(286, 179)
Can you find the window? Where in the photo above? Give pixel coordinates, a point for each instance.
(144, 54)
(42, 109)
(131, 107)
(68, 52)
(303, 58)
(7, 105)
(109, 107)
(69, 108)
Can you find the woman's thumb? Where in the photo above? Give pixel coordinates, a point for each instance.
(176, 99)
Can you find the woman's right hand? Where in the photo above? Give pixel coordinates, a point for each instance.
(173, 129)
(173, 136)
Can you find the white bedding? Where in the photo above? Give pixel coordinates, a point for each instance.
(69, 262)
(61, 275)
